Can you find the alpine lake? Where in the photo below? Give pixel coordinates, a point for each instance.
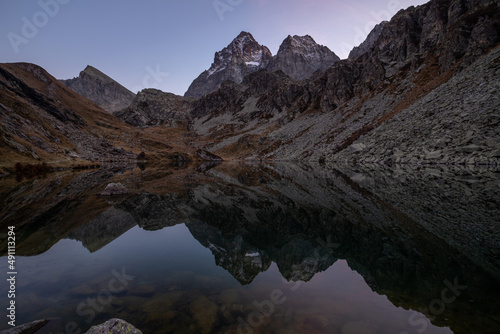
(256, 248)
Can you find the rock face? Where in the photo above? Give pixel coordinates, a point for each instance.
(241, 57)
(368, 42)
(114, 326)
(101, 89)
(154, 107)
(448, 126)
(300, 56)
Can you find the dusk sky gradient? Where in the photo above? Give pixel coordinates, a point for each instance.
(138, 42)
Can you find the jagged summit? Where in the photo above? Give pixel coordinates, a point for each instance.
(101, 89)
(241, 57)
(243, 48)
(300, 56)
(297, 42)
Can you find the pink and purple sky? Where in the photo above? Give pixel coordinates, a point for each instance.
(166, 44)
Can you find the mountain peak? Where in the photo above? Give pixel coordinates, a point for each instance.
(244, 34)
(244, 45)
(101, 89)
(242, 56)
(94, 72)
(300, 56)
(296, 41)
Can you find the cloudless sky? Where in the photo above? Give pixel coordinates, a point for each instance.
(166, 44)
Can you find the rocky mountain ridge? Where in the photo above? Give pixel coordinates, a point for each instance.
(101, 89)
(298, 57)
(153, 107)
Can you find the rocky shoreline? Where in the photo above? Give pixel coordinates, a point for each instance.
(112, 326)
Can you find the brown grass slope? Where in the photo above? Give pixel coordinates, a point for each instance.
(42, 120)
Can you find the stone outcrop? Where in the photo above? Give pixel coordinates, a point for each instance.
(101, 89)
(369, 42)
(114, 326)
(154, 107)
(300, 56)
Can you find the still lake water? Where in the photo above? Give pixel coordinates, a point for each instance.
(239, 248)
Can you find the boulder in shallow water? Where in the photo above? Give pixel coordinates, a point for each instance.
(114, 326)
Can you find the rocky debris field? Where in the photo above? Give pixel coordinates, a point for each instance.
(458, 123)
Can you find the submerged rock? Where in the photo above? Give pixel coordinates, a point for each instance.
(114, 326)
(204, 314)
(113, 189)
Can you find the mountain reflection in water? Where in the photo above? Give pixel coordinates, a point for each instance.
(259, 248)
